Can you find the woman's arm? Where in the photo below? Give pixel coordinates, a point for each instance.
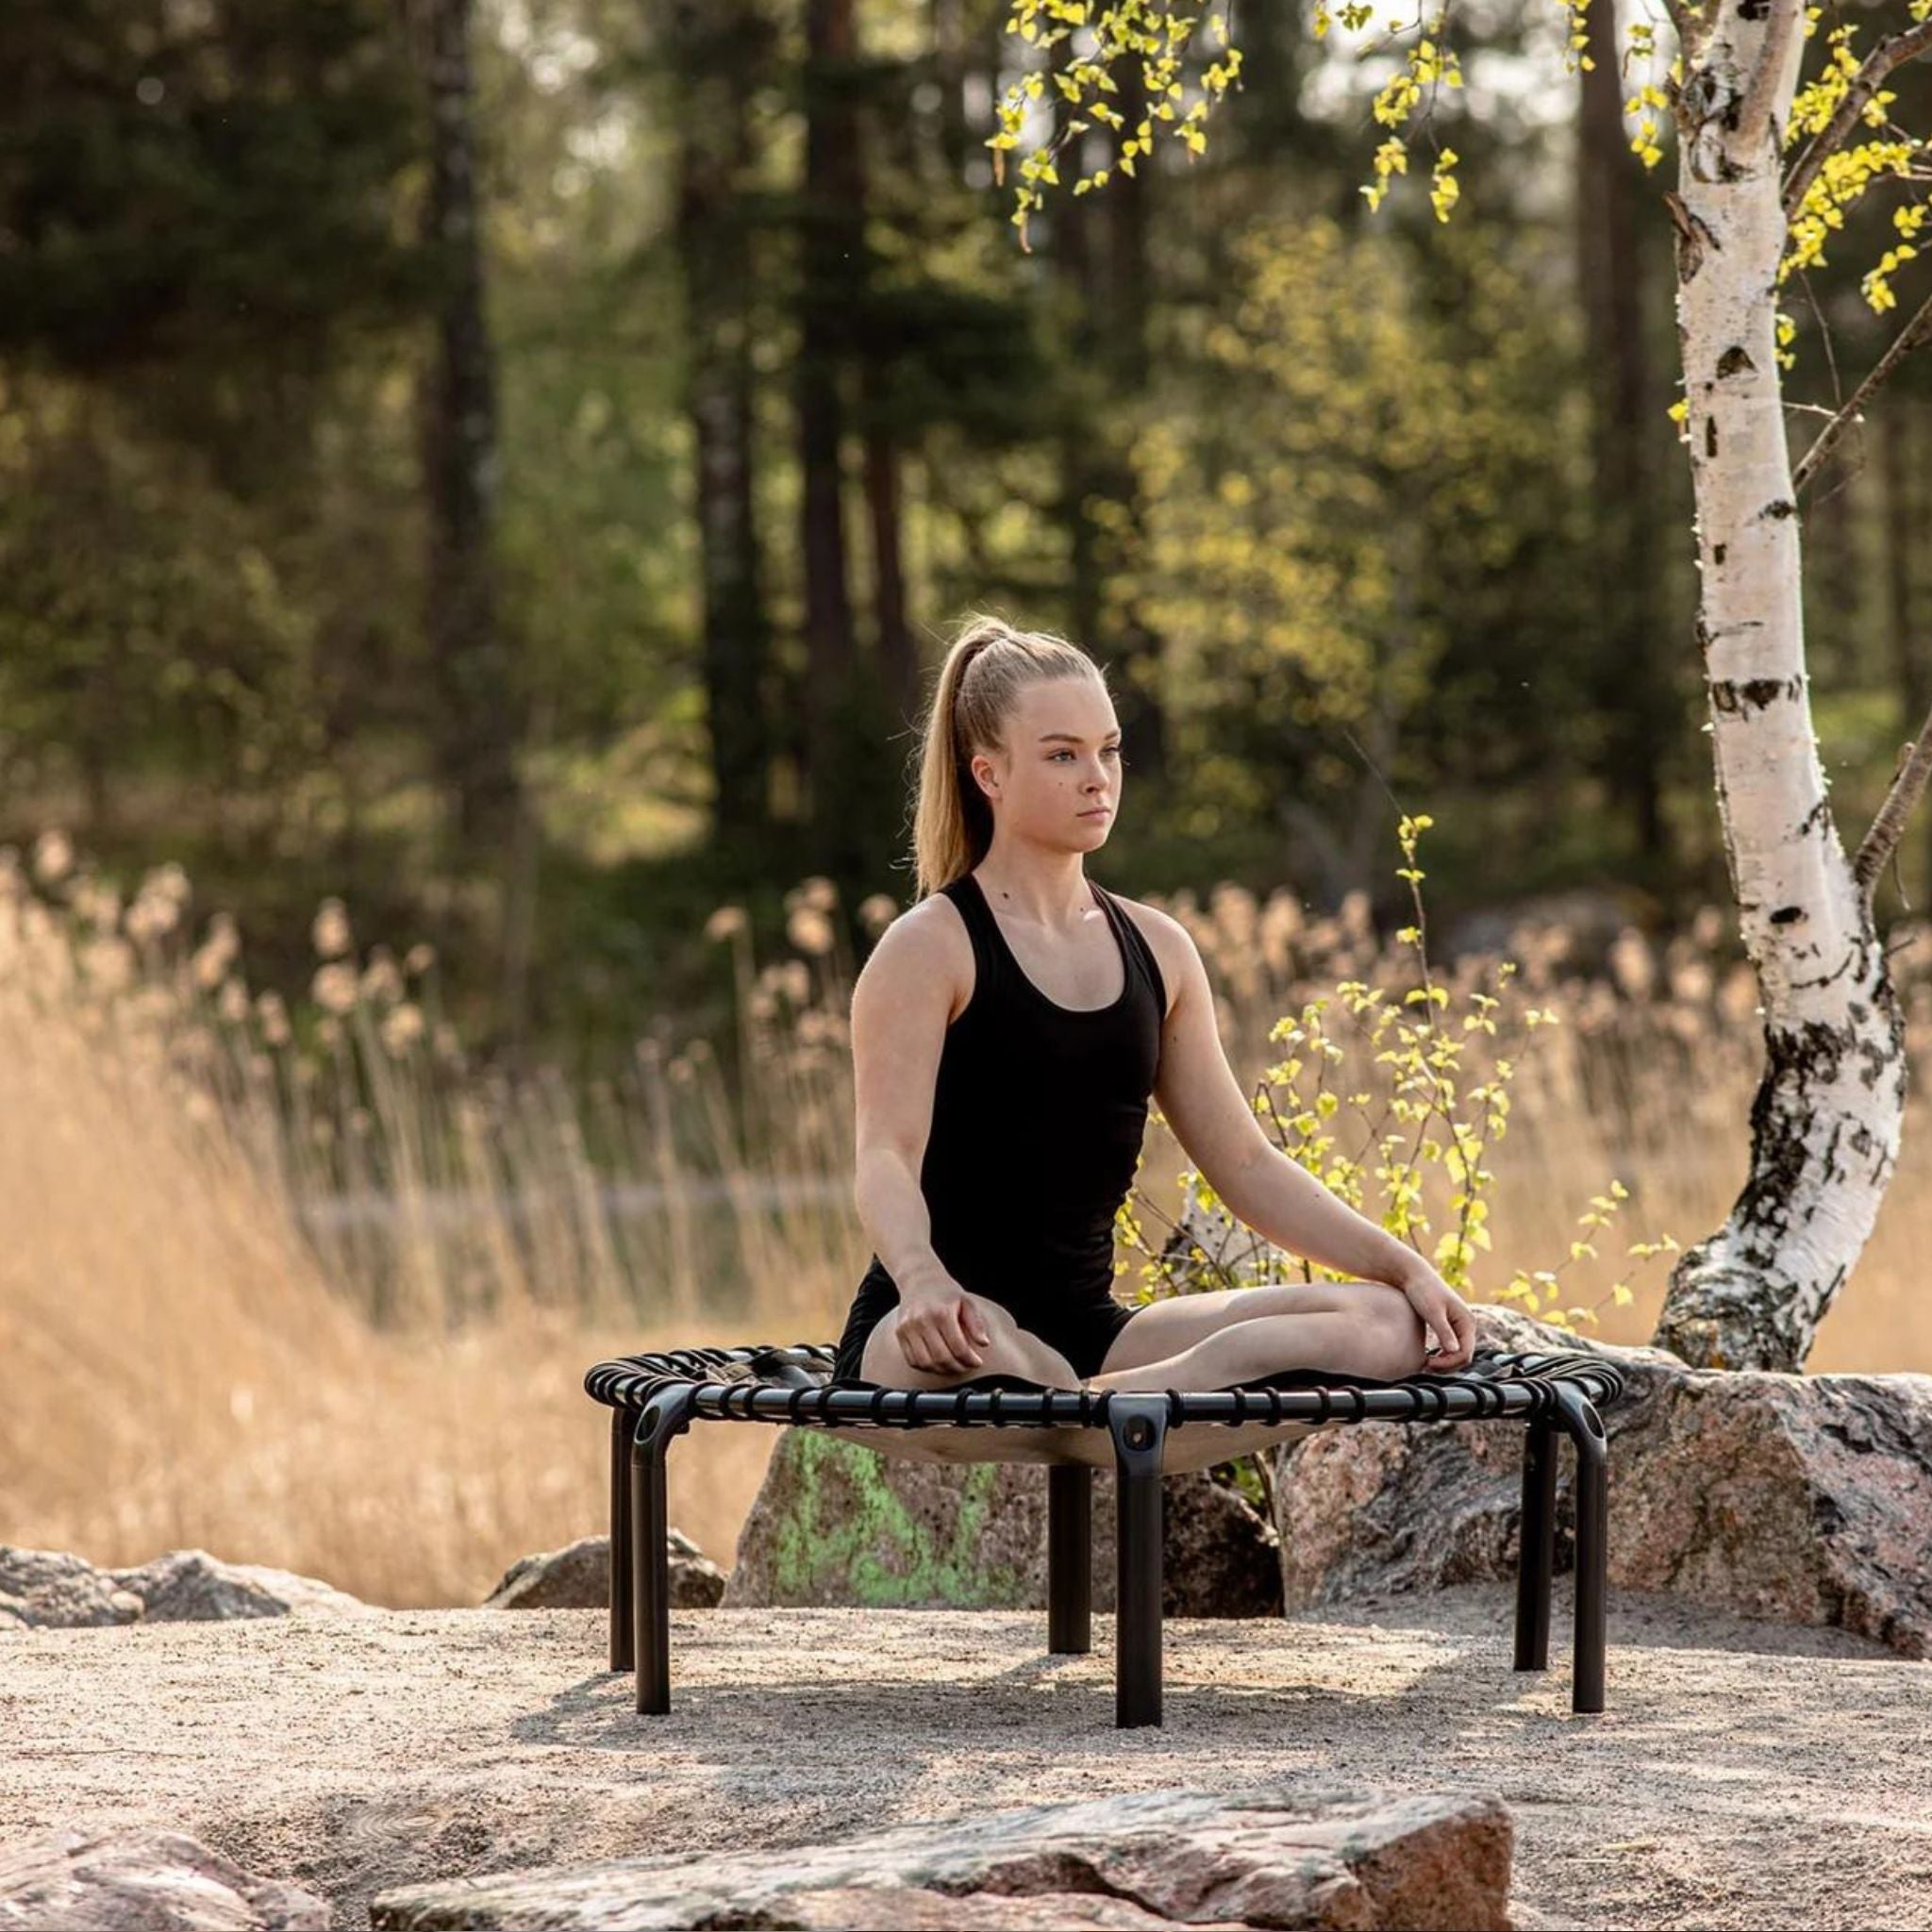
(900, 1004)
(1287, 1205)
(1259, 1185)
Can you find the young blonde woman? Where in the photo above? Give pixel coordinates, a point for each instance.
(1007, 1032)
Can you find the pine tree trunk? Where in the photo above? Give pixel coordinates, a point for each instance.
(1100, 248)
(1127, 636)
(832, 231)
(1826, 1122)
(898, 662)
(1626, 413)
(717, 55)
(475, 733)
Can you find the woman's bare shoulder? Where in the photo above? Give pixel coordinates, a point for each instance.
(926, 943)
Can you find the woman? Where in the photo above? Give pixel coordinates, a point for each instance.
(1007, 1033)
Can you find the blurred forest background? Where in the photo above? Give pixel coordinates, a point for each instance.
(483, 487)
(509, 463)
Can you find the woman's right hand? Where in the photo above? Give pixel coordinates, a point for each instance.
(939, 1327)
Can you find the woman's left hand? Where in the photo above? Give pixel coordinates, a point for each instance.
(1451, 1326)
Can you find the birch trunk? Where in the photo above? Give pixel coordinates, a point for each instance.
(1826, 1118)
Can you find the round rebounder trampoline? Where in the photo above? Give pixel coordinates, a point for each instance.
(1142, 1435)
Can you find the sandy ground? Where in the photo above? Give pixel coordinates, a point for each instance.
(1746, 1774)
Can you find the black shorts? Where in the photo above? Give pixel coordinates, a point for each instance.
(1082, 1328)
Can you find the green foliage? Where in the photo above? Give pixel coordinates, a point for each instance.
(1128, 26)
(1330, 493)
(1408, 100)
(209, 183)
(1402, 1093)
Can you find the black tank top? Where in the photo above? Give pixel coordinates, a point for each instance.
(1039, 1112)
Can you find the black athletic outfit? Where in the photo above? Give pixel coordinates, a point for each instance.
(1038, 1111)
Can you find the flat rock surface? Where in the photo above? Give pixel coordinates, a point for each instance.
(142, 1881)
(1292, 1854)
(1746, 1774)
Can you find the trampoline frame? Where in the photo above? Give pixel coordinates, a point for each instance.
(655, 1398)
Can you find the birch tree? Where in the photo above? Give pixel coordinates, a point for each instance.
(1768, 165)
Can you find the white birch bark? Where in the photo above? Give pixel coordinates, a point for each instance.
(1826, 1118)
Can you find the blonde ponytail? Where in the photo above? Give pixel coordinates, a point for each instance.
(987, 666)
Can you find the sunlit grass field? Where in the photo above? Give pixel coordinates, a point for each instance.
(304, 1288)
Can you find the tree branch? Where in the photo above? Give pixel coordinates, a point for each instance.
(1907, 339)
(1769, 74)
(1865, 83)
(1889, 826)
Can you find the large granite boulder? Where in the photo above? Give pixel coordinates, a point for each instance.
(1284, 1855)
(1800, 1499)
(143, 1881)
(51, 1589)
(578, 1578)
(837, 1523)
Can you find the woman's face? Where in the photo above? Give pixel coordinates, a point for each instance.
(1057, 783)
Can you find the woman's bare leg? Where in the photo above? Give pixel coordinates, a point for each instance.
(1177, 1321)
(1012, 1351)
(1380, 1341)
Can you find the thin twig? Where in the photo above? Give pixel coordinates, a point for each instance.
(1889, 826)
(1908, 339)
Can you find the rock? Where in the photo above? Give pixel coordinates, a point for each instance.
(1799, 1499)
(837, 1523)
(143, 1881)
(891, 1908)
(578, 1578)
(192, 1587)
(53, 1589)
(1218, 1554)
(1285, 1855)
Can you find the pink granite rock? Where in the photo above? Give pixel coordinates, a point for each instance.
(837, 1522)
(1803, 1499)
(143, 1881)
(1283, 1856)
(578, 1578)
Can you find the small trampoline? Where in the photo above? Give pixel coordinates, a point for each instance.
(1148, 1433)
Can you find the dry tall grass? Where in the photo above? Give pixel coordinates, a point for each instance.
(307, 1289)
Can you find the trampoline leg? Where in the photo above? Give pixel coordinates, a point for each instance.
(1536, 1545)
(1138, 1425)
(665, 1415)
(1586, 1430)
(1068, 1559)
(623, 1637)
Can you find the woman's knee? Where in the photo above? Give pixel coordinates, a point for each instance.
(1402, 1334)
(1000, 1322)
(1005, 1351)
